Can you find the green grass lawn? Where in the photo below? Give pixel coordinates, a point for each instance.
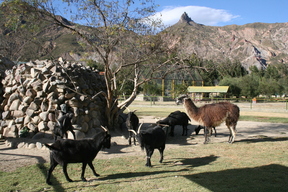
(255, 165)
(259, 164)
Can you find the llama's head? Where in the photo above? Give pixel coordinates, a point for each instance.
(181, 98)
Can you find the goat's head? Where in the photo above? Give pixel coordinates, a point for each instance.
(107, 139)
(136, 133)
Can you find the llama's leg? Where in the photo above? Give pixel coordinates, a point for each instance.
(233, 129)
(207, 133)
(93, 169)
(232, 134)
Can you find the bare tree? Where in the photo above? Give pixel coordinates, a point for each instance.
(122, 35)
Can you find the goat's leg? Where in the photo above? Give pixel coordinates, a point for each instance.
(49, 172)
(83, 171)
(66, 135)
(149, 153)
(92, 168)
(134, 138)
(184, 132)
(73, 133)
(161, 150)
(172, 131)
(65, 172)
(130, 137)
(215, 131)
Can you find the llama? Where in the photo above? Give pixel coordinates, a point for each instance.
(212, 115)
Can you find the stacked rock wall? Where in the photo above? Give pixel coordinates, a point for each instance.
(35, 91)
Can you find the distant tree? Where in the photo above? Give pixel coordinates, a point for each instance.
(233, 83)
(231, 69)
(249, 86)
(269, 87)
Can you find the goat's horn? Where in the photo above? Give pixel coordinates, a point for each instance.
(127, 109)
(106, 130)
(58, 122)
(139, 128)
(132, 131)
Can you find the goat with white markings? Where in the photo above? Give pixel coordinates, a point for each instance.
(132, 123)
(176, 118)
(150, 139)
(64, 125)
(212, 115)
(77, 151)
(197, 130)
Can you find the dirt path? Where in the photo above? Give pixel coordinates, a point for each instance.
(10, 159)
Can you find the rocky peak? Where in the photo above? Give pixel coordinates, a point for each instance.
(186, 19)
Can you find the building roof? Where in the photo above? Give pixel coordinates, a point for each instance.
(207, 89)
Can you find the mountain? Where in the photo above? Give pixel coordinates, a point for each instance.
(258, 44)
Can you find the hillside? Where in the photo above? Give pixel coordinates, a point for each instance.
(257, 44)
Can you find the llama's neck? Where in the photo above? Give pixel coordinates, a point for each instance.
(191, 109)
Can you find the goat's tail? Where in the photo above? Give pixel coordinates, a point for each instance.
(50, 147)
(141, 142)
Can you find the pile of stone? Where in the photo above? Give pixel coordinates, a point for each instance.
(35, 91)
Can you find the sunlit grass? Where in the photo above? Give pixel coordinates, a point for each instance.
(258, 164)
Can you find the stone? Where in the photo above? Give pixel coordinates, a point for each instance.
(42, 126)
(14, 105)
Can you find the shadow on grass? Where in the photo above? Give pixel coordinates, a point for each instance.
(57, 186)
(263, 138)
(264, 178)
(193, 162)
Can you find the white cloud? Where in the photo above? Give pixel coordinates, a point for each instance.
(202, 15)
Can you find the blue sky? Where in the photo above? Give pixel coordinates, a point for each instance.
(224, 12)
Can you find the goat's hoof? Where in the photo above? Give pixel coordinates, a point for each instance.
(83, 179)
(148, 165)
(69, 180)
(49, 183)
(97, 175)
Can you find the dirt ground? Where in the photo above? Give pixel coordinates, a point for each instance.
(12, 158)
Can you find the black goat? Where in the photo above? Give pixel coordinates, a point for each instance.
(64, 125)
(197, 129)
(77, 151)
(176, 118)
(132, 123)
(150, 139)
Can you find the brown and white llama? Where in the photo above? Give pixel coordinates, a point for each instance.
(212, 115)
